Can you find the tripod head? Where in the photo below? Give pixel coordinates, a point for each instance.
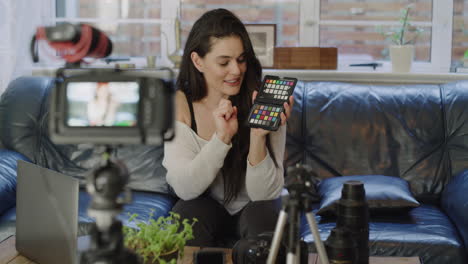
(302, 193)
(105, 184)
(300, 182)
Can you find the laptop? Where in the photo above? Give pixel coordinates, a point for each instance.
(46, 215)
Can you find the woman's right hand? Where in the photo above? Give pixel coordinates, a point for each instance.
(225, 117)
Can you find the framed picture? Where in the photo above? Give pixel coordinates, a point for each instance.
(263, 37)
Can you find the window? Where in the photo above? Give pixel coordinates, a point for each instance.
(460, 32)
(146, 27)
(134, 26)
(352, 27)
(283, 13)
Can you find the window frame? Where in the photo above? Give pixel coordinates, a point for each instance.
(169, 11)
(309, 31)
(441, 36)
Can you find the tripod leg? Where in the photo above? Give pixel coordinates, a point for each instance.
(298, 252)
(294, 222)
(318, 241)
(277, 237)
(295, 259)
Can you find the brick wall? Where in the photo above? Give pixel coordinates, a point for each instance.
(142, 40)
(460, 30)
(130, 39)
(285, 14)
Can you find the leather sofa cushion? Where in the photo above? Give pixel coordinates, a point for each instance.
(142, 203)
(455, 202)
(384, 194)
(425, 231)
(415, 132)
(8, 163)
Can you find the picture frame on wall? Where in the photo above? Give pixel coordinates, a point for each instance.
(263, 37)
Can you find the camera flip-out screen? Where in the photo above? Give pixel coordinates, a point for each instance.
(107, 107)
(107, 104)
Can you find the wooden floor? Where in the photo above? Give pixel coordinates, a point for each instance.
(9, 255)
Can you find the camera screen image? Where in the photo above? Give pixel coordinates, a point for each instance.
(102, 104)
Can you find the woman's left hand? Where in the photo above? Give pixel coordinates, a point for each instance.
(284, 115)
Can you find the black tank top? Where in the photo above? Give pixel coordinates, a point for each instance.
(192, 116)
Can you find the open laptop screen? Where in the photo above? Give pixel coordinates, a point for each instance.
(46, 215)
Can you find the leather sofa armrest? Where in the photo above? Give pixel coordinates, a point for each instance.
(455, 202)
(8, 164)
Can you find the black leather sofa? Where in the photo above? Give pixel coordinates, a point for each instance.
(415, 132)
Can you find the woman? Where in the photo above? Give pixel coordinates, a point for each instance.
(227, 175)
(103, 108)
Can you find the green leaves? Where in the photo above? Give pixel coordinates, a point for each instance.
(159, 237)
(405, 33)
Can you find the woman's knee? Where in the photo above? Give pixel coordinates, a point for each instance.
(208, 213)
(198, 207)
(258, 217)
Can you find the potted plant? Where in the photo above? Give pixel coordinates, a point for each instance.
(159, 241)
(402, 48)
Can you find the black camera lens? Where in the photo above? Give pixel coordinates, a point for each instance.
(353, 190)
(340, 247)
(353, 216)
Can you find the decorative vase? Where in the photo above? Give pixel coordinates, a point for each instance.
(176, 56)
(167, 257)
(465, 62)
(401, 57)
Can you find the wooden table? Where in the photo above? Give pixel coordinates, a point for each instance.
(313, 258)
(9, 255)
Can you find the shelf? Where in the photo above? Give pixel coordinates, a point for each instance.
(369, 77)
(334, 75)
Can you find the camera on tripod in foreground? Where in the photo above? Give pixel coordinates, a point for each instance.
(108, 107)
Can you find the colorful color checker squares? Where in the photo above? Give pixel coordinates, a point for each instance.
(278, 89)
(265, 115)
(269, 103)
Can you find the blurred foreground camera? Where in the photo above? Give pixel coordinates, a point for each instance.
(256, 250)
(107, 106)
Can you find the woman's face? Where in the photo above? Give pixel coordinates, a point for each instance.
(224, 66)
(102, 90)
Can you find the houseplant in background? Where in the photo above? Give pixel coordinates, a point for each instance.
(159, 241)
(402, 38)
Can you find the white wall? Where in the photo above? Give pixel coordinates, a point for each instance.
(18, 22)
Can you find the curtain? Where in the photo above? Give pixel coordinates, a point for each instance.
(18, 22)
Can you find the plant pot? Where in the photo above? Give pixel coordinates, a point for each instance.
(170, 255)
(402, 57)
(465, 62)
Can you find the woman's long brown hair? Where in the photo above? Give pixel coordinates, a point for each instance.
(221, 23)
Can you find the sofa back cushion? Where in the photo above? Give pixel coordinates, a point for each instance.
(24, 128)
(409, 131)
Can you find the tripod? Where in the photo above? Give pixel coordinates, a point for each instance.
(105, 185)
(299, 200)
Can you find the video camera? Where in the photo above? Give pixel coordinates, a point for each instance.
(109, 106)
(102, 106)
